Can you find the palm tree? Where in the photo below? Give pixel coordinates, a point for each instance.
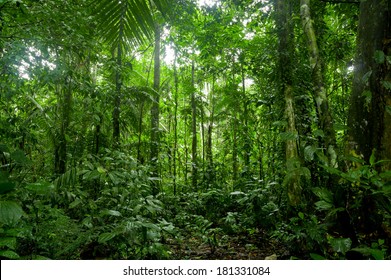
(123, 24)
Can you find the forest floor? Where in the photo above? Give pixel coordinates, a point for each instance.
(228, 247)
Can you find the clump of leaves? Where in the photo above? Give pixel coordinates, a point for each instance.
(362, 202)
(10, 216)
(303, 234)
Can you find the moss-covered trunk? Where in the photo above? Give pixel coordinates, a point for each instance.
(325, 119)
(369, 119)
(285, 50)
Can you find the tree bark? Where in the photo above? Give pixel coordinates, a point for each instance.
(209, 150)
(194, 166)
(118, 86)
(60, 153)
(117, 99)
(369, 119)
(175, 148)
(285, 50)
(325, 119)
(246, 137)
(155, 107)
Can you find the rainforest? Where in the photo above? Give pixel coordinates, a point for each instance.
(195, 129)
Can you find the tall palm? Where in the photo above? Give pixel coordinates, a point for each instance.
(124, 24)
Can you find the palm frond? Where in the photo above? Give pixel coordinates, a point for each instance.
(125, 23)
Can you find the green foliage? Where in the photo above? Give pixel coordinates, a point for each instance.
(363, 195)
(377, 251)
(66, 193)
(302, 234)
(10, 215)
(257, 207)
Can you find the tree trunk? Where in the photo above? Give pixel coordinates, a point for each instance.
(325, 119)
(65, 103)
(285, 50)
(209, 151)
(369, 119)
(117, 96)
(246, 137)
(235, 166)
(202, 131)
(176, 85)
(140, 157)
(117, 101)
(194, 165)
(155, 108)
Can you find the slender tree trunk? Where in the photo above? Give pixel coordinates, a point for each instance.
(246, 138)
(324, 115)
(202, 131)
(209, 150)
(260, 160)
(61, 149)
(235, 166)
(285, 49)
(185, 135)
(117, 97)
(176, 82)
(194, 165)
(97, 134)
(369, 119)
(155, 108)
(236, 107)
(140, 158)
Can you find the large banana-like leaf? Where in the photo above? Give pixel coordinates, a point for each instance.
(123, 23)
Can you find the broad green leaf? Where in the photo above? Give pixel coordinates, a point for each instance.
(387, 84)
(75, 203)
(9, 242)
(309, 152)
(317, 257)
(301, 215)
(366, 77)
(10, 212)
(106, 236)
(323, 205)
(153, 235)
(91, 175)
(324, 194)
(41, 188)
(366, 251)
(318, 133)
(236, 193)
(9, 254)
(379, 57)
(101, 169)
(111, 213)
(368, 96)
(340, 245)
(372, 158)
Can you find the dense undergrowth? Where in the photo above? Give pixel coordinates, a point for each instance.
(103, 208)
